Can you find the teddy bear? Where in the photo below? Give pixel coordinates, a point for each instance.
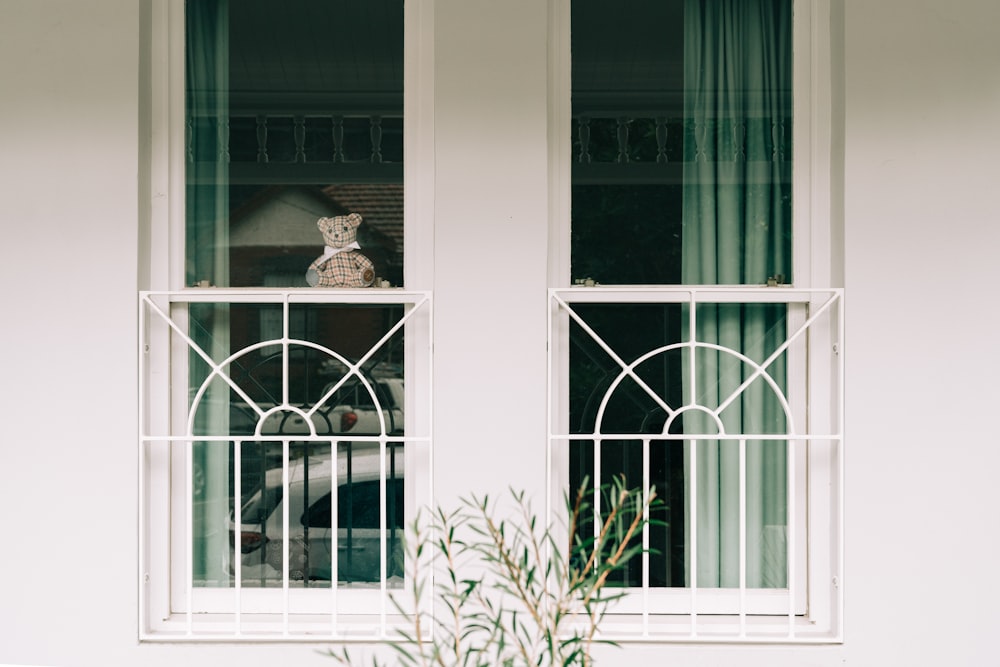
(341, 264)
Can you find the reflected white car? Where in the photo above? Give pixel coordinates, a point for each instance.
(310, 507)
(353, 411)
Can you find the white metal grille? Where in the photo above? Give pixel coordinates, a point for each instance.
(172, 604)
(809, 395)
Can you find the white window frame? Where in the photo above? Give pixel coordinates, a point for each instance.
(290, 615)
(720, 615)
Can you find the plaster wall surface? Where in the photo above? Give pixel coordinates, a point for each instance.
(921, 214)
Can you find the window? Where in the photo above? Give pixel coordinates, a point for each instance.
(695, 346)
(694, 338)
(288, 121)
(276, 355)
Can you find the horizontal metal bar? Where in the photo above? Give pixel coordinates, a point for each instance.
(278, 438)
(697, 436)
(369, 295)
(769, 637)
(665, 294)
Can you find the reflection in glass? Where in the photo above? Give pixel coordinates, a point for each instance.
(313, 537)
(603, 399)
(681, 150)
(632, 330)
(287, 123)
(340, 375)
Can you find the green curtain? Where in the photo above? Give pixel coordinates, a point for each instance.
(207, 263)
(737, 231)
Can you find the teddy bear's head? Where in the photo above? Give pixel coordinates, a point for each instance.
(340, 231)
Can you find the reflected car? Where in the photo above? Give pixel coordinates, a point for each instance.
(310, 509)
(349, 409)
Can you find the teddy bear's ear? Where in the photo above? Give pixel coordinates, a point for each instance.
(353, 220)
(324, 224)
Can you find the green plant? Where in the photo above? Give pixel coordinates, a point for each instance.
(511, 591)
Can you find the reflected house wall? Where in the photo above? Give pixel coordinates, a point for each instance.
(381, 234)
(273, 234)
(914, 121)
(273, 239)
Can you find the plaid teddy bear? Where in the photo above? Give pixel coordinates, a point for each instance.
(341, 265)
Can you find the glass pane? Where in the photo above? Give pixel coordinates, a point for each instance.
(312, 535)
(741, 385)
(600, 402)
(289, 123)
(340, 375)
(737, 388)
(681, 150)
(681, 142)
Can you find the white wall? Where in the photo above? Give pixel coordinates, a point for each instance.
(68, 177)
(922, 233)
(921, 143)
(491, 236)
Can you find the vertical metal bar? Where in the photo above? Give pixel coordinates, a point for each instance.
(549, 425)
(693, 531)
(284, 349)
(238, 533)
(645, 536)
(286, 501)
(692, 338)
(391, 498)
(383, 543)
(349, 509)
(189, 532)
(306, 446)
(262, 447)
(791, 535)
(743, 536)
(598, 444)
(334, 530)
(693, 484)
